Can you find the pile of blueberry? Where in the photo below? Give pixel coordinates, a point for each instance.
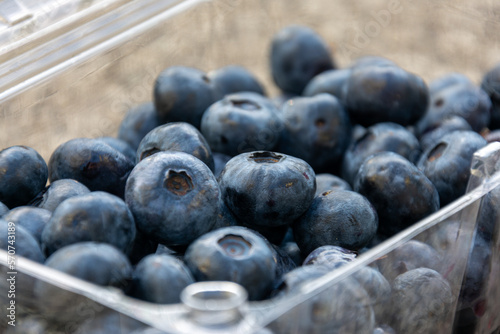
(214, 180)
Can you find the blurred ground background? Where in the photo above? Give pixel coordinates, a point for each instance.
(89, 99)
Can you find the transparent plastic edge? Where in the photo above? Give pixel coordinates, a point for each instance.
(265, 312)
(112, 298)
(107, 44)
(98, 8)
(259, 314)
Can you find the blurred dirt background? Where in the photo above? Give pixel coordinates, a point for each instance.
(89, 99)
(429, 38)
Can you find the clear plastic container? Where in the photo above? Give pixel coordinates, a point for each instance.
(79, 75)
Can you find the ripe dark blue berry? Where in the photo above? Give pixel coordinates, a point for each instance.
(267, 188)
(234, 254)
(298, 54)
(23, 174)
(174, 197)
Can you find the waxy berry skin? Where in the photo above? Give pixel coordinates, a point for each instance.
(176, 136)
(424, 299)
(327, 181)
(447, 163)
(298, 54)
(267, 188)
(182, 94)
(385, 136)
(31, 218)
(97, 216)
(92, 162)
(235, 254)
(160, 279)
(23, 174)
(316, 129)
(467, 101)
(399, 191)
(241, 122)
(332, 82)
(174, 197)
(137, 123)
(26, 244)
(385, 93)
(58, 191)
(234, 79)
(342, 218)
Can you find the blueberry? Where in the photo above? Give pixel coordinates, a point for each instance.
(344, 307)
(491, 85)
(408, 256)
(176, 136)
(377, 287)
(341, 218)
(316, 129)
(399, 191)
(330, 256)
(444, 238)
(448, 80)
(97, 216)
(467, 101)
(23, 174)
(241, 122)
(267, 188)
(327, 181)
(90, 161)
(480, 270)
(332, 82)
(160, 279)
(174, 197)
(473, 293)
(120, 145)
(488, 216)
(441, 127)
(447, 163)
(97, 263)
(233, 254)
(31, 218)
(58, 191)
(15, 239)
(298, 54)
(234, 79)
(182, 94)
(423, 299)
(137, 123)
(384, 93)
(377, 138)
